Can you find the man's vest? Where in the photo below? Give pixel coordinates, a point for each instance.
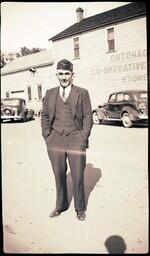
(63, 121)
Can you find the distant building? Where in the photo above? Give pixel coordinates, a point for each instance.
(28, 77)
(108, 51)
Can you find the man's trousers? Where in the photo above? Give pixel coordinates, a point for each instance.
(71, 147)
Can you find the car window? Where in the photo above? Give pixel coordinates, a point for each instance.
(112, 98)
(119, 97)
(140, 95)
(143, 95)
(126, 97)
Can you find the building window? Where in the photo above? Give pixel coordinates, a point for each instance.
(39, 92)
(110, 39)
(7, 94)
(76, 47)
(29, 93)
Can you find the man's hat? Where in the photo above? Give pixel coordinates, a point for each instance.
(65, 65)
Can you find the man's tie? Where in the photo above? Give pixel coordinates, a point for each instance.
(63, 95)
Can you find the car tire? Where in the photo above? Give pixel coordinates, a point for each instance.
(95, 118)
(126, 120)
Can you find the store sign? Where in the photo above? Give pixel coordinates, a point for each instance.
(132, 55)
(126, 62)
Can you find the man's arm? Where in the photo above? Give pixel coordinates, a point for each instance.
(87, 115)
(45, 121)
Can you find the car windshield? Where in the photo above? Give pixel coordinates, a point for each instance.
(13, 102)
(141, 95)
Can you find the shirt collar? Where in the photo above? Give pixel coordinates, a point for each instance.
(67, 89)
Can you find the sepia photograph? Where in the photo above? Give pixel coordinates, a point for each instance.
(74, 128)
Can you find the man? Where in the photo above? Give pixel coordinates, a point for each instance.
(66, 122)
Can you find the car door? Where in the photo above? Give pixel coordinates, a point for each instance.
(118, 105)
(110, 108)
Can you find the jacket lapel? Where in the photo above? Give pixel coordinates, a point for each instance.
(52, 101)
(74, 99)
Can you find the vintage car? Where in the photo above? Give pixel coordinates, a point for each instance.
(128, 106)
(15, 109)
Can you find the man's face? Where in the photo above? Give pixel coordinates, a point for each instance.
(64, 77)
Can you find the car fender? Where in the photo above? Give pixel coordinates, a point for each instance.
(10, 109)
(131, 111)
(101, 114)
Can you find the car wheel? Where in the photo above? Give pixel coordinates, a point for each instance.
(95, 118)
(126, 120)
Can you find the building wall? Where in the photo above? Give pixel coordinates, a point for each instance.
(17, 83)
(103, 72)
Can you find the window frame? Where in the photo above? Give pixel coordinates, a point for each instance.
(76, 47)
(110, 39)
(29, 92)
(39, 92)
(7, 95)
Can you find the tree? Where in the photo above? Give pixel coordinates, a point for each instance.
(3, 62)
(7, 57)
(26, 51)
(18, 54)
(34, 50)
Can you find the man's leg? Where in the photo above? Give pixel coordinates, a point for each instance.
(57, 156)
(77, 162)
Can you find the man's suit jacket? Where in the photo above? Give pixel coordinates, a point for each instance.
(81, 111)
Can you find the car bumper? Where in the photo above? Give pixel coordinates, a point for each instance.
(10, 117)
(142, 118)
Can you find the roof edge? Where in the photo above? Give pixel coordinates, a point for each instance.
(98, 26)
(25, 69)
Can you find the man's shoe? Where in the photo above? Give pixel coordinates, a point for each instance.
(55, 213)
(81, 215)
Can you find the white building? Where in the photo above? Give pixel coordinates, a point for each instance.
(108, 51)
(28, 77)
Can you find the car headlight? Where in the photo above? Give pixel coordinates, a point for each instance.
(8, 111)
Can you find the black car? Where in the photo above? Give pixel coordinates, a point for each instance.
(15, 109)
(128, 106)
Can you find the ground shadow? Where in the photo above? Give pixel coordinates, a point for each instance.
(92, 176)
(115, 245)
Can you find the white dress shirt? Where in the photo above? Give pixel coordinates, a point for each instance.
(67, 91)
